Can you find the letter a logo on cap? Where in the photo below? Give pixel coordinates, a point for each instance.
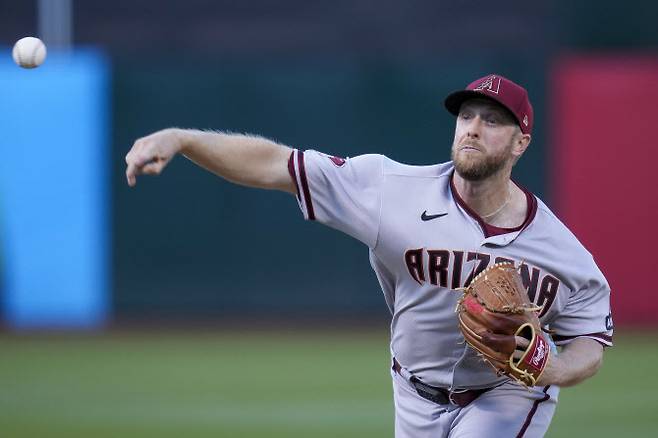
(490, 84)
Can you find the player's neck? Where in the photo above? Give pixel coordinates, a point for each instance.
(496, 199)
(486, 195)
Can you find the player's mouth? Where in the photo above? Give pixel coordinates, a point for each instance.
(470, 148)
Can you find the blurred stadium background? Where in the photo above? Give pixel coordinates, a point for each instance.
(189, 306)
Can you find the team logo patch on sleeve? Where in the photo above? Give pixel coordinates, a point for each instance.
(338, 161)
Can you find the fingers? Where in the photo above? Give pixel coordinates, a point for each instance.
(500, 343)
(135, 165)
(514, 345)
(138, 167)
(522, 342)
(132, 166)
(521, 345)
(131, 172)
(153, 167)
(144, 158)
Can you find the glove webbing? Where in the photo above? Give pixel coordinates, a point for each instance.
(504, 294)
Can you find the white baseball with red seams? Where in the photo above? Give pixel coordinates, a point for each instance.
(424, 242)
(29, 52)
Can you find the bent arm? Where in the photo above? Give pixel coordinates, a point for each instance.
(242, 159)
(578, 360)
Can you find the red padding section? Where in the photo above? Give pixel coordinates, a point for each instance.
(604, 175)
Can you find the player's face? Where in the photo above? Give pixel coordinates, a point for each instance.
(484, 138)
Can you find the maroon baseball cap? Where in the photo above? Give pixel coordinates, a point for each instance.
(499, 89)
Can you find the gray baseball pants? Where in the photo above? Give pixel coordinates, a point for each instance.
(508, 410)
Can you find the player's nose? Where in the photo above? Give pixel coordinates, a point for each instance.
(474, 126)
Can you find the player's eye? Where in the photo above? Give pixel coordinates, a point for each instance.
(465, 115)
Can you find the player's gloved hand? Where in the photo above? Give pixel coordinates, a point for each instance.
(498, 320)
(149, 155)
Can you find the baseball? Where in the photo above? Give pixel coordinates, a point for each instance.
(29, 52)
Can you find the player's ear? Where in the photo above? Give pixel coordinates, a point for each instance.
(520, 143)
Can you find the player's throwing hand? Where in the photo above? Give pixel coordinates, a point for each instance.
(149, 155)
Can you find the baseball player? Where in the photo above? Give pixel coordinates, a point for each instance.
(430, 230)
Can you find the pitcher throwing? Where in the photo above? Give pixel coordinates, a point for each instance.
(430, 231)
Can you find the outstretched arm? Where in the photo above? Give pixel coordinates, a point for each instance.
(242, 159)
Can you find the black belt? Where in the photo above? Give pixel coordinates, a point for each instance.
(441, 395)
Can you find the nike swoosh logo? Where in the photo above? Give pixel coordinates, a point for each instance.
(428, 217)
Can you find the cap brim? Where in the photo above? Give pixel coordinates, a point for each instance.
(454, 100)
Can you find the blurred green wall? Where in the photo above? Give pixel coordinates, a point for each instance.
(189, 245)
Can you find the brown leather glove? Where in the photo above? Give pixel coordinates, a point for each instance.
(493, 310)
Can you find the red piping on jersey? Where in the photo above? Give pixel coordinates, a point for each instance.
(291, 171)
(532, 412)
(491, 230)
(598, 337)
(307, 192)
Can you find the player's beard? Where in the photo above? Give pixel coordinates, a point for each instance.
(478, 167)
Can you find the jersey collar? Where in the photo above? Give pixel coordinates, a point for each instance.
(497, 235)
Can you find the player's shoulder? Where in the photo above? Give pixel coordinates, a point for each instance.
(394, 168)
(387, 166)
(552, 226)
(562, 249)
(358, 162)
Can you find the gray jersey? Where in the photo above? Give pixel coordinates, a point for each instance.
(425, 242)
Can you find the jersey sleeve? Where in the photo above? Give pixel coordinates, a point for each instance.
(586, 314)
(343, 193)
